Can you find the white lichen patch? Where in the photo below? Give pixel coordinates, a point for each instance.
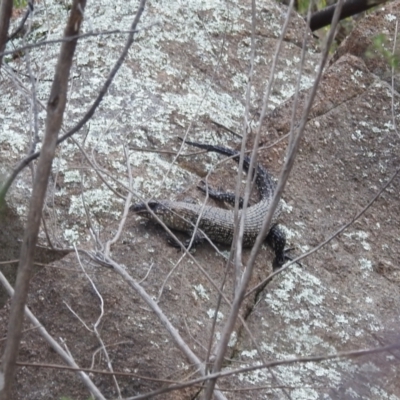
(71, 235)
(312, 293)
(382, 394)
(357, 135)
(361, 236)
(366, 266)
(201, 291)
(72, 176)
(233, 339)
(98, 201)
(249, 353)
(305, 393)
(390, 17)
(211, 314)
(11, 140)
(306, 326)
(255, 377)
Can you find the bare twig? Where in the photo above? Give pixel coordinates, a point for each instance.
(394, 114)
(55, 111)
(292, 151)
(52, 342)
(22, 23)
(288, 361)
(239, 222)
(75, 37)
(96, 324)
(93, 371)
(331, 237)
(302, 360)
(199, 365)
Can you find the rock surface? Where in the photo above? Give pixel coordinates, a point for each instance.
(187, 72)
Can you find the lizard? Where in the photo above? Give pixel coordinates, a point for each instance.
(218, 223)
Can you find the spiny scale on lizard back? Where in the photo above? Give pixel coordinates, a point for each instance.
(218, 223)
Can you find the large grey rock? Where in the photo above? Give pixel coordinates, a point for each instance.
(191, 68)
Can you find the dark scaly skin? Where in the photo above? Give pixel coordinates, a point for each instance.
(218, 223)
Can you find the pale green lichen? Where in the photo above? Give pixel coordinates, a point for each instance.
(201, 291)
(211, 314)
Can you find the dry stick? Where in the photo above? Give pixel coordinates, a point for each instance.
(94, 371)
(35, 139)
(90, 226)
(55, 346)
(145, 378)
(22, 23)
(97, 169)
(163, 319)
(239, 229)
(298, 84)
(55, 111)
(126, 209)
(291, 135)
(337, 233)
(289, 361)
(236, 233)
(23, 163)
(250, 180)
(227, 330)
(393, 65)
(302, 360)
(34, 113)
(239, 224)
(99, 349)
(173, 153)
(96, 324)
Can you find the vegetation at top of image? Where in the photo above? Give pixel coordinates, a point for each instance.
(380, 43)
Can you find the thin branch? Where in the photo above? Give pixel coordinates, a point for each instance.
(75, 37)
(394, 113)
(96, 324)
(93, 371)
(55, 111)
(330, 238)
(271, 364)
(163, 319)
(21, 24)
(323, 17)
(239, 222)
(292, 151)
(55, 346)
(128, 202)
(145, 378)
